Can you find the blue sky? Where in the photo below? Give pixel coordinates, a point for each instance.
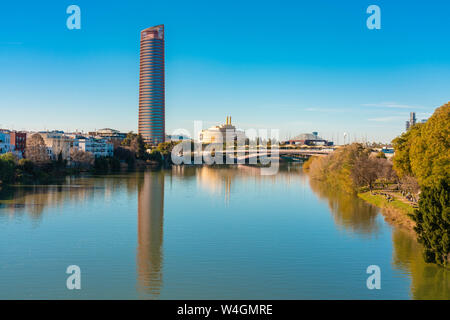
(298, 66)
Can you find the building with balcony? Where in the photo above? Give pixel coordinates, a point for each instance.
(98, 147)
(5, 142)
(56, 142)
(19, 141)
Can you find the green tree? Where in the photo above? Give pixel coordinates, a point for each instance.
(430, 150)
(130, 137)
(101, 164)
(114, 164)
(423, 151)
(7, 167)
(381, 155)
(433, 222)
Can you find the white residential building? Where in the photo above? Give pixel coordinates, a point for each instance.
(56, 143)
(98, 147)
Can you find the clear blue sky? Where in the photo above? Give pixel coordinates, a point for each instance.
(299, 66)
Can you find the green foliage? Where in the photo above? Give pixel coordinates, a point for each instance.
(7, 166)
(130, 137)
(101, 164)
(114, 164)
(138, 146)
(155, 155)
(26, 165)
(433, 222)
(381, 155)
(165, 148)
(336, 169)
(402, 146)
(423, 151)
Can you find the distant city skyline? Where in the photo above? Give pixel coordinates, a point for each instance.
(294, 66)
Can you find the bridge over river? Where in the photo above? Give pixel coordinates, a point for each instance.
(251, 156)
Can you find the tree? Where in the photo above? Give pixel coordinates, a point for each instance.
(26, 165)
(81, 159)
(114, 163)
(423, 151)
(36, 151)
(137, 145)
(101, 164)
(7, 166)
(409, 184)
(381, 155)
(125, 154)
(430, 156)
(130, 136)
(433, 222)
(366, 170)
(422, 155)
(402, 146)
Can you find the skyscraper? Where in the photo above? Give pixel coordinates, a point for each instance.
(152, 86)
(412, 120)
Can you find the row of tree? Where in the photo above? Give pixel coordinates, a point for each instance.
(351, 168)
(423, 152)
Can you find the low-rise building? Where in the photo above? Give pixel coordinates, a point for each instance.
(19, 142)
(220, 133)
(309, 139)
(56, 143)
(98, 147)
(5, 142)
(109, 134)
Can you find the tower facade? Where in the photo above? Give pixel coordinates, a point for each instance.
(152, 86)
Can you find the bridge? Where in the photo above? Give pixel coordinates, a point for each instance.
(245, 155)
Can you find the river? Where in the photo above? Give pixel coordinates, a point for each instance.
(204, 233)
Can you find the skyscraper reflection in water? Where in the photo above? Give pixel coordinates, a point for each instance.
(150, 233)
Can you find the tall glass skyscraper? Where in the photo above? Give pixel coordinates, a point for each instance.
(152, 86)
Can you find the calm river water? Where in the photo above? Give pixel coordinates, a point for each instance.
(204, 233)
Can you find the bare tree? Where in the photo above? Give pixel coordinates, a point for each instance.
(36, 151)
(386, 172)
(410, 184)
(81, 159)
(365, 171)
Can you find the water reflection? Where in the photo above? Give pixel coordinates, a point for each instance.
(150, 232)
(143, 193)
(349, 212)
(427, 280)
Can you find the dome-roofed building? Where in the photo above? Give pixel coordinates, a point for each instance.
(219, 134)
(309, 139)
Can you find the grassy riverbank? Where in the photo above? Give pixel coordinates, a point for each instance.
(396, 211)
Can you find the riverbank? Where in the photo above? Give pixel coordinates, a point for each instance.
(396, 212)
(354, 169)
